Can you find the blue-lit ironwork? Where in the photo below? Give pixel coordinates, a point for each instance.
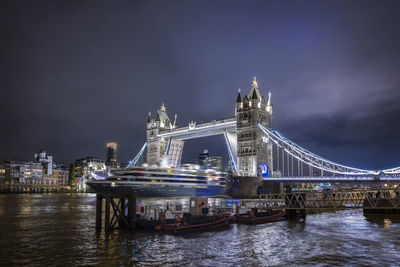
(264, 170)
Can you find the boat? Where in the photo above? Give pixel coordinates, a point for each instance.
(211, 223)
(256, 217)
(161, 182)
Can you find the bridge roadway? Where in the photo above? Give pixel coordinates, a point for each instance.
(328, 200)
(333, 179)
(194, 130)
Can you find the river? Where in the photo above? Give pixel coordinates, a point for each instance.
(59, 230)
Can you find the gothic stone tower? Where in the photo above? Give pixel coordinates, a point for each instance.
(156, 146)
(254, 152)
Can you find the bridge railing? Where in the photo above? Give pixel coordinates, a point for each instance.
(371, 199)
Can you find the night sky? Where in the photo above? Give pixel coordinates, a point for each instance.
(76, 74)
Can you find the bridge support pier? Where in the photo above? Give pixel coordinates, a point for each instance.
(250, 187)
(119, 211)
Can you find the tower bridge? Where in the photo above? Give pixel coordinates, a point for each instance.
(254, 147)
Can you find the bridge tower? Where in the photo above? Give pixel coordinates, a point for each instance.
(254, 150)
(157, 147)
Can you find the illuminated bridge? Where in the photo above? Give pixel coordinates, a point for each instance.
(254, 147)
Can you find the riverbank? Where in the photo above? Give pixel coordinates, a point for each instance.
(42, 192)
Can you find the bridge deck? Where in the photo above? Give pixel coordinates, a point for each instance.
(200, 130)
(371, 199)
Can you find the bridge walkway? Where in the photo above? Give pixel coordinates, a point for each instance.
(318, 201)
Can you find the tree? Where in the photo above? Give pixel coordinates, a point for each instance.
(71, 175)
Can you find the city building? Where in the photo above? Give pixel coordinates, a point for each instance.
(207, 162)
(86, 168)
(24, 176)
(27, 176)
(3, 183)
(63, 175)
(46, 160)
(111, 160)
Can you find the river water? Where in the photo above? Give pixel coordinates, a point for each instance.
(59, 229)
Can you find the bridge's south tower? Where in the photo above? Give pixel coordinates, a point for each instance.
(254, 152)
(156, 146)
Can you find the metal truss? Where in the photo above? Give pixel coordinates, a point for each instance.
(95, 177)
(137, 157)
(376, 199)
(194, 130)
(229, 141)
(392, 171)
(310, 158)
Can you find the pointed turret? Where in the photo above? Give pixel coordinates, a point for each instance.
(158, 117)
(175, 123)
(254, 96)
(149, 118)
(254, 92)
(245, 101)
(239, 98)
(239, 103)
(163, 117)
(269, 103)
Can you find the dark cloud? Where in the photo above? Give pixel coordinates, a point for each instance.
(364, 135)
(76, 74)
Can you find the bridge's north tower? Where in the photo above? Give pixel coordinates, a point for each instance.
(157, 146)
(254, 151)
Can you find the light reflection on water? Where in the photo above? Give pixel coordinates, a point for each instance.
(58, 229)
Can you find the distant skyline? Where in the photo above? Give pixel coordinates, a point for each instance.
(75, 75)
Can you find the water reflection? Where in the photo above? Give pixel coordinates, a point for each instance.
(32, 235)
(379, 218)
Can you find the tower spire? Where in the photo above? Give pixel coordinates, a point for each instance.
(255, 83)
(269, 103)
(239, 98)
(175, 120)
(162, 107)
(149, 118)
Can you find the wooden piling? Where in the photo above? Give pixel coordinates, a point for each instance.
(122, 215)
(107, 214)
(121, 212)
(99, 211)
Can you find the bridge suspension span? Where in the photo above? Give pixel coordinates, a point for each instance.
(313, 160)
